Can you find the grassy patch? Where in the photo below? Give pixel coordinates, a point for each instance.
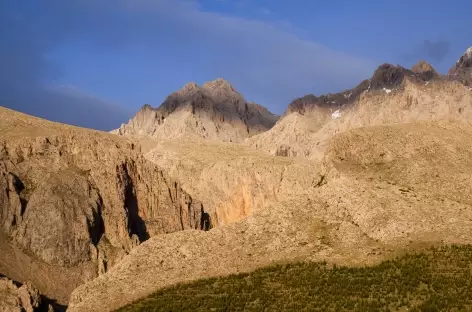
(439, 279)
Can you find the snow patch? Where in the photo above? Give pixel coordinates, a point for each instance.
(336, 114)
(386, 90)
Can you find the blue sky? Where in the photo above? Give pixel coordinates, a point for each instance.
(95, 63)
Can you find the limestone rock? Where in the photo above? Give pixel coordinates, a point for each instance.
(62, 219)
(422, 67)
(13, 298)
(79, 200)
(213, 111)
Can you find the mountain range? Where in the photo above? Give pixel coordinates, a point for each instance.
(208, 184)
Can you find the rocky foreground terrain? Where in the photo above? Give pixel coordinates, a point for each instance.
(97, 220)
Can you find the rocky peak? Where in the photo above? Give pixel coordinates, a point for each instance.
(466, 60)
(189, 88)
(388, 76)
(215, 100)
(219, 83)
(462, 71)
(422, 67)
(146, 108)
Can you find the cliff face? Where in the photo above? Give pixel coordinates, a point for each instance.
(213, 111)
(72, 196)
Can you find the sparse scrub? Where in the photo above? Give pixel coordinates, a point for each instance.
(436, 280)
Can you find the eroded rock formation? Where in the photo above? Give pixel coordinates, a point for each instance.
(14, 298)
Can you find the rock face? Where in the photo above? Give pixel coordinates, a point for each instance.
(462, 71)
(213, 111)
(82, 199)
(18, 299)
(62, 221)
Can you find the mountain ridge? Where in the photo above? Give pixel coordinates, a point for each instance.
(215, 110)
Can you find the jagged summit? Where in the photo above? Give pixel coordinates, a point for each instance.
(214, 110)
(462, 71)
(466, 59)
(191, 86)
(386, 77)
(219, 83)
(422, 66)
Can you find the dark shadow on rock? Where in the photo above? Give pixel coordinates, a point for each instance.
(205, 223)
(45, 302)
(97, 229)
(136, 224)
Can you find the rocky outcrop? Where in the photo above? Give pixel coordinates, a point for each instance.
(386, 78)
(72, 196)
(23, 298)
(462, 71)
(213, 111)
(62, 221)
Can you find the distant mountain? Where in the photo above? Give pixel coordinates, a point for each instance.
(392, 95)
(385, 78)
(214, 111)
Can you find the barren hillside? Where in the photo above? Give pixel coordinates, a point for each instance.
(411, 189)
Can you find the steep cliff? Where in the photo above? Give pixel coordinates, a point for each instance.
(78, 198)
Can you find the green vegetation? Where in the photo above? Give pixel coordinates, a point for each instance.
(439, 279)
